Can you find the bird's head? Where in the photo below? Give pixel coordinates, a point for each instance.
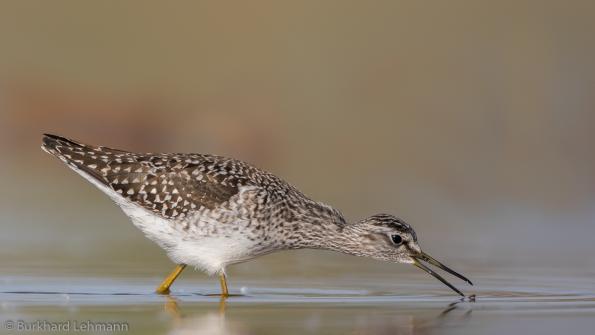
(388, 238)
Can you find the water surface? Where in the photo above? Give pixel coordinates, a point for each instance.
(413, 305)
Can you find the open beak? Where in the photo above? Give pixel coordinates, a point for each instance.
(427, 258)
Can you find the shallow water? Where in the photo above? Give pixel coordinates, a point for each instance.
(414, 305)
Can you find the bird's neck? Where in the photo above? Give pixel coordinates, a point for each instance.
(320, 227)
(344, 240)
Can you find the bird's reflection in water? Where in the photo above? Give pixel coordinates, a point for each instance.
(453, 306)
(212, 322)
(417, 321)
(366, 321)
(449, 316)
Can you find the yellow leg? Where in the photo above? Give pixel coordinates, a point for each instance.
(223, 282)
(164, 287)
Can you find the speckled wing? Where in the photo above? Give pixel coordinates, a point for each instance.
(170, 185)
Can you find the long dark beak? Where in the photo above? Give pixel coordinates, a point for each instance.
(427, 258)
(431, 260)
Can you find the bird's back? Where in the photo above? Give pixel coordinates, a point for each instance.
(173, 186)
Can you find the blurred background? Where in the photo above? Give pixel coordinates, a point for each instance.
(472, 120)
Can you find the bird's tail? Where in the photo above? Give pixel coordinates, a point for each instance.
(58, 145)
(81, 157)
(64, 147)
(76, 155)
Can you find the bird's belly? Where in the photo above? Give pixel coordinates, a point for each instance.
(213, 254)
(208, 252)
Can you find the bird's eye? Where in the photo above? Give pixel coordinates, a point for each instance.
(397, 239)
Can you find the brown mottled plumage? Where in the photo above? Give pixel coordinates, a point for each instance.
(210, 211)
(170, 185)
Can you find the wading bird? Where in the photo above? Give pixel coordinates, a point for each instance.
(209, 212)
